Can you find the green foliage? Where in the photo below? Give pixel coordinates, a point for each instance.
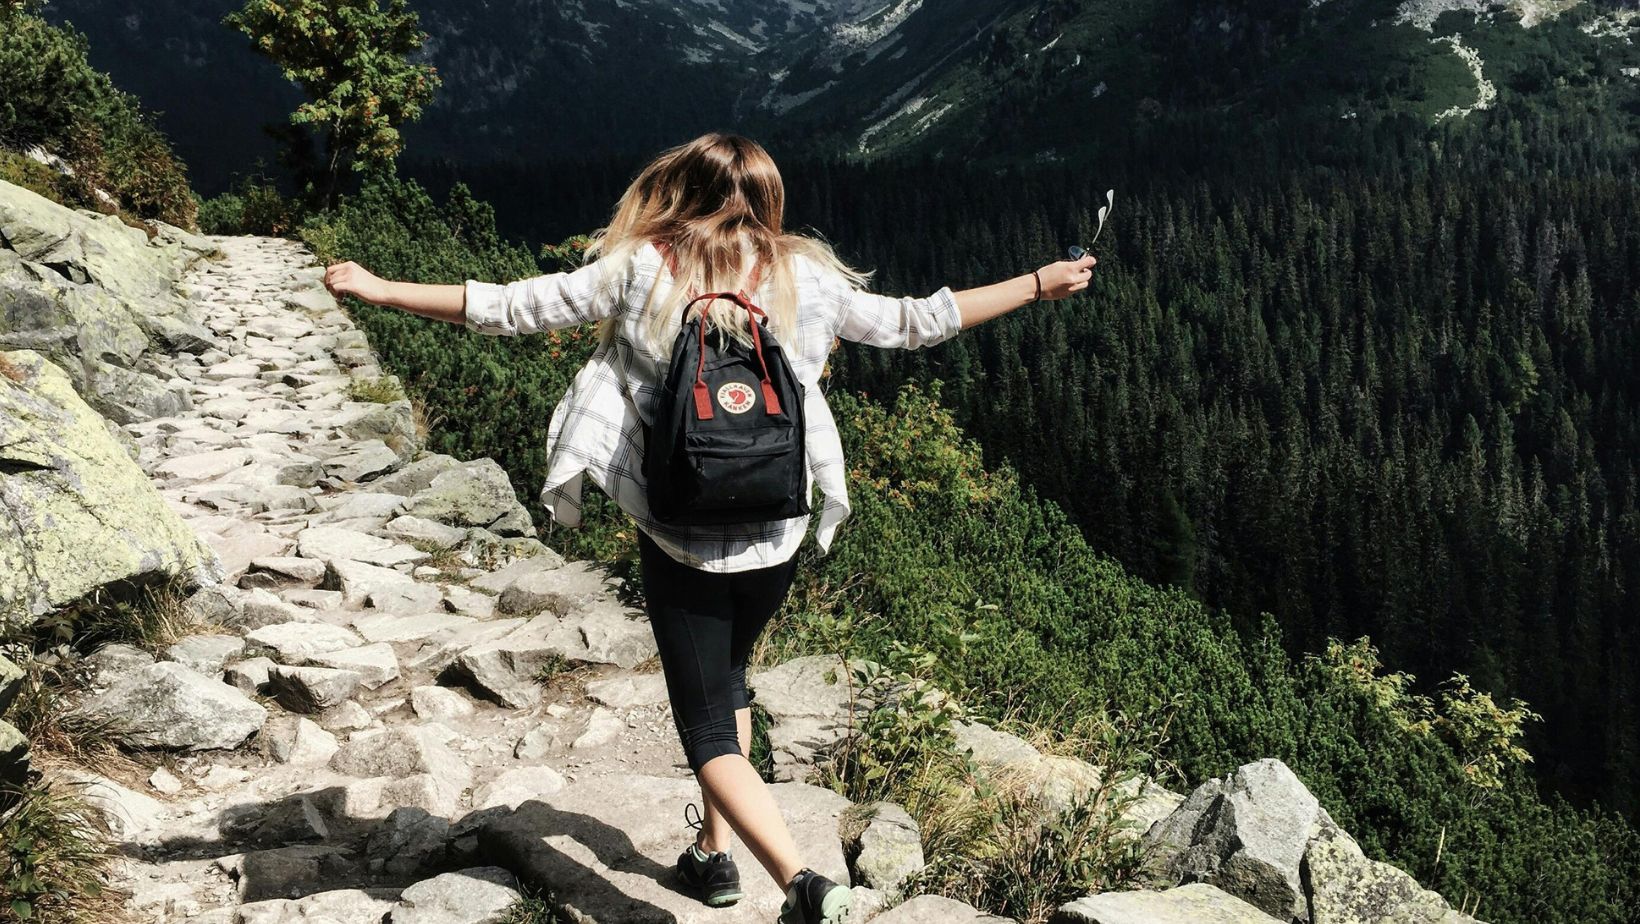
(50, 96)
(380, 390)
(252, 205)
(352, 60)
(54, 862)
(1481, 733)
(944, 554)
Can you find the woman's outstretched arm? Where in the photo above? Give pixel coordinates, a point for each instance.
(525, 306)
(1059, 280)
(910, 323)
(439, 302)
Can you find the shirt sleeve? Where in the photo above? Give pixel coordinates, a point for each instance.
(527, 306)
(906, 322)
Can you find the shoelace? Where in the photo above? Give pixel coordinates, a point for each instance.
(697, 823)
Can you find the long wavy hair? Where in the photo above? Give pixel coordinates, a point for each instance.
(717, 204)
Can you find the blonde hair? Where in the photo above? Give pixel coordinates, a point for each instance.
(716, 203)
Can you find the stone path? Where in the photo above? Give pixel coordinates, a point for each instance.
(391, 727)
(404, 705)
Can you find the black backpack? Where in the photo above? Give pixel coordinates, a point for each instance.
(727, 443)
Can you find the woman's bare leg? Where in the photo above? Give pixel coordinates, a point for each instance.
(735, 790)
(715, 832)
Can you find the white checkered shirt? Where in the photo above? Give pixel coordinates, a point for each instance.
(597, 429)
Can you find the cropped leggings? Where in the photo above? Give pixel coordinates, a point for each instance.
(705, 623)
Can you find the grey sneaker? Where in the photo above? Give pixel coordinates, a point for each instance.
(713, 876)
(813, 899)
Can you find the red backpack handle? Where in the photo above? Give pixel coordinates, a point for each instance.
(703, 398)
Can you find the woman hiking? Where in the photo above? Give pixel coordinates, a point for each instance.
(706, 217)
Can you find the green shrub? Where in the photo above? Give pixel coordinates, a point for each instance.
(54, 862)
(51, 96)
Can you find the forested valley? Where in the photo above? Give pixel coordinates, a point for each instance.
(1391, 394)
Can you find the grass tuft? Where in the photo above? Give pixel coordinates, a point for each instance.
(54, 859)
(381, 390)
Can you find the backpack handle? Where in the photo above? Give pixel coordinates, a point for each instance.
(703, 398)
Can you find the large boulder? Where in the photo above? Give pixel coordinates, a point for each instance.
(1347, 888)
(76, 513)
(89, 249)
(1245, 834)
(475, 493)
(166, 705)
(96, 296)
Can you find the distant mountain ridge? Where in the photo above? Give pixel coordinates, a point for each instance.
(527, 80)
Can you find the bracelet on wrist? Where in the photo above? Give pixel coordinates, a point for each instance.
(1037, 275)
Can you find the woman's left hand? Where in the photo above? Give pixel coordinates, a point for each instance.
(350, 278)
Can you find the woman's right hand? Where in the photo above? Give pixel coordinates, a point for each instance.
(349, 278)
(1065, 278)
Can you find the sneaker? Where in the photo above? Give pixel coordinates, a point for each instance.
(813, 899)
(713, 876)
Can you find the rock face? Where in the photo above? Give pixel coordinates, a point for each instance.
(76, 513)
(100, 300)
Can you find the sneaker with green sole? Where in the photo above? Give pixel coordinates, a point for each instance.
(712, 876)
(813, 899)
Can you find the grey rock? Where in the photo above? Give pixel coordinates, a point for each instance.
(297, 642)
(1245, 834)
(363, 462)
(364, 584)
(625, 827)
(496, 582)
(416, 476)
(935, 909)
(298, 740)
(407, 841)
(342, 906)
(1191, 904)
(1345, 887)
(475, 493)
(807, 700)
(375, 664)
(14, 761)
(114, 661)
(207, 654)
(482, 895)
(440, 704)
(888, 850)
(166, 705)
(464, 602)
(512, 788)
(286, 872)
(311, 689)
(279, 573)
(249, 676)
(79, 513)
(11, 682)
(333, 542)
(421, 530)
(558, 591)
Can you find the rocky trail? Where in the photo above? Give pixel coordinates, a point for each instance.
(396, 704)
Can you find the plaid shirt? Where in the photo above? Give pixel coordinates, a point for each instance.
(597, 429)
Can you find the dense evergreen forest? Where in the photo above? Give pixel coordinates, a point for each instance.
(1391, 392)
(940, 541)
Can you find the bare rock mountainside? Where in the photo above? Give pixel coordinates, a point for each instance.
(358, 729)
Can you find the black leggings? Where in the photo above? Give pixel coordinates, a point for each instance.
(705, 624)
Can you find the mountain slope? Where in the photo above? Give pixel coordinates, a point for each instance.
(1033, 79)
